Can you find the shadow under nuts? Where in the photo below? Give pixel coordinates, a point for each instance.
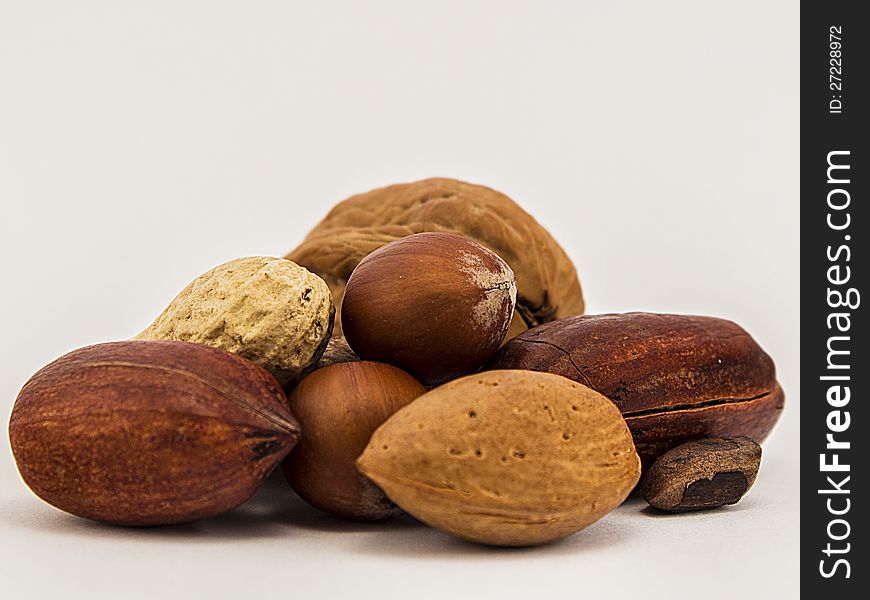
(547, 283)
(674, 377)
(149, 433)
(269, 310)
(510, 458)
(437, 305)
(338, 407)
(702, 474)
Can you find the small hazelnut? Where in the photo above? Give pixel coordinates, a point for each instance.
(547, 283)
(340, 406)
(435, 304)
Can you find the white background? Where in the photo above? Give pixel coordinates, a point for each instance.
(142, 143)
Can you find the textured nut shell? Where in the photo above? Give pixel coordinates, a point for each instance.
(149, 433)
(339, 406)
(505, 457)
(337, 351)
(435, 304)
(674, 377)
(269, 310)
(547, 283)
(726, 467)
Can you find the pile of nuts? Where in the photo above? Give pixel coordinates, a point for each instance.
(422, 351)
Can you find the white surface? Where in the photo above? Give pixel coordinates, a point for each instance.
(143, 143)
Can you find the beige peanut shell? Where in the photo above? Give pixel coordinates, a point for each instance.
(509, 458)
(268, 310)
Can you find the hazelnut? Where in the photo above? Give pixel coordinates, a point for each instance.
(339, 406)
(547, 283)
(435, 304)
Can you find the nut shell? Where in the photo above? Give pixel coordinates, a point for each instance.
(339, 406)
(269, 310)
(149, 433)
(674, 377)
(508, 458)
(547, 283)
(702, 474)
(337, 351)
(437, 305)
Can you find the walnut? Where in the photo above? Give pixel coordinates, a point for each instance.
(547, 283)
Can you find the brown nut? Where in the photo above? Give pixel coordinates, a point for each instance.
(674, 377)
(510, 458)
(702, 474)
(339, 406)
(149, 433)
(435, 304)
(269, 310)
(547, 284)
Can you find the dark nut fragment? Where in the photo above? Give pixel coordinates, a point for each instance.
(337, 351)
(702, 474)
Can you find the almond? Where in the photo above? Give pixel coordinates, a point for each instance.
(509, 458)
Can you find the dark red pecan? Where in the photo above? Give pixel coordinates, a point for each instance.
(148, 432)
(674, 377)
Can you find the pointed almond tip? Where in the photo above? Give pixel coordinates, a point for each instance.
(361, 463)
(364, 463)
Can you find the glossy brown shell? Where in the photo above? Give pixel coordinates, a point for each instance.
(339, 407)
(149, 432)
(437, 305)
(674, 377)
